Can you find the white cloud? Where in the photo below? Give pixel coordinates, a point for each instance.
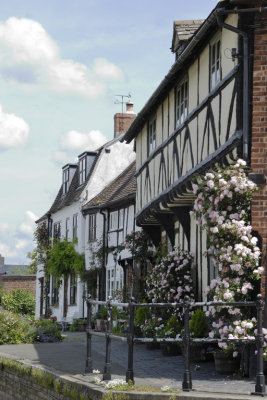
(61, 157)
(27, 227)
(17, 241)
(105, 69)
(29, 55)
(3, 227)
(6, 251)
(21, 244)
(73, 142)
(14, 131)
(27, 41)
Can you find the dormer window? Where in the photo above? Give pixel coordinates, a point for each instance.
(68, 172)
(82, 170)
(66, 178)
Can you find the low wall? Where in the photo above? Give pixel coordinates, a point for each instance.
(12, 282)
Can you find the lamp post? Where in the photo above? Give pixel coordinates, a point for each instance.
(115, 257)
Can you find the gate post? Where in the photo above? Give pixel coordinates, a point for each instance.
(187, 382)
(89, 360)
(260, 379)
(107, 367)
(130, 336)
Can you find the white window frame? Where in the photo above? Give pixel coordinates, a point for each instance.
(121, 218)
(57, 230)
(152, 133)
(67, 228)
(215, 61)
(82, 170)
(92, 228)
(75, 226)
(113, 221)
(66, 177)
(181, 110)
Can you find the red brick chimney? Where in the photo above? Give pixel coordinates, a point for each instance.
(122, 121)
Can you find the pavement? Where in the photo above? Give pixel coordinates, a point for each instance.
(151, 368)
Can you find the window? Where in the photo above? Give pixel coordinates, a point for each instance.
(67, 228)
(92, 228)
(82, 170)
(121, 215)
(57, 230)
(54, 294)
(75, 226)
(152, 135)
(73, 288)
(113, 220)
(181, 102)
(215, 63)
(66, 177)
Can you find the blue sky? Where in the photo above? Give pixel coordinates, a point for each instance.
(61, 65)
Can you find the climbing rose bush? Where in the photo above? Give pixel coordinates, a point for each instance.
(221, 208)
(171, 280)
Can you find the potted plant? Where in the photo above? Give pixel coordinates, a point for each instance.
(172, 329)
(198, 327)
(101, 319)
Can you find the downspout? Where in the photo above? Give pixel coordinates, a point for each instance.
(103, 276)
(244, 35)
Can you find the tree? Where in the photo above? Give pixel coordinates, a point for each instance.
(64, 260)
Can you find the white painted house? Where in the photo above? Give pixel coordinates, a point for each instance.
(80, 183)
(110, 216)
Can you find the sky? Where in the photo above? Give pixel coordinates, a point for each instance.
(62, 63)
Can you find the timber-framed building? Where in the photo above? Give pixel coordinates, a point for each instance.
(210, 108)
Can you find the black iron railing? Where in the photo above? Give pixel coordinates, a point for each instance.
(186, 305)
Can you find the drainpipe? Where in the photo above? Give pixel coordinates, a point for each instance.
(244, 35)
(103, 276)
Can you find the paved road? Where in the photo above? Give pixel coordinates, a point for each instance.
(150, 367)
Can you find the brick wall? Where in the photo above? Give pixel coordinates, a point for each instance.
(122, 122)
(12, 282)
(259, 133)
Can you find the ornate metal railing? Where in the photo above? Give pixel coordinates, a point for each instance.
(186, 305)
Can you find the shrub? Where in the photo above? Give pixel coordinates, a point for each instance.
(20, 301)
(172, 327)
(198, 324)
(76, 324)
(13, 329)
(47, 331)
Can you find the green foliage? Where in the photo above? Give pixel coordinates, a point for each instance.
(137, 244)
(20, 301)
(198, 324)
(90, 278)
(64, 259)
(75, 326)
(172, 328)
(33, 256)
(47, 330)
(13, 329)
(142, 314)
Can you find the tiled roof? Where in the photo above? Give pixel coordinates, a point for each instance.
(183, 31)
(120, 189)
